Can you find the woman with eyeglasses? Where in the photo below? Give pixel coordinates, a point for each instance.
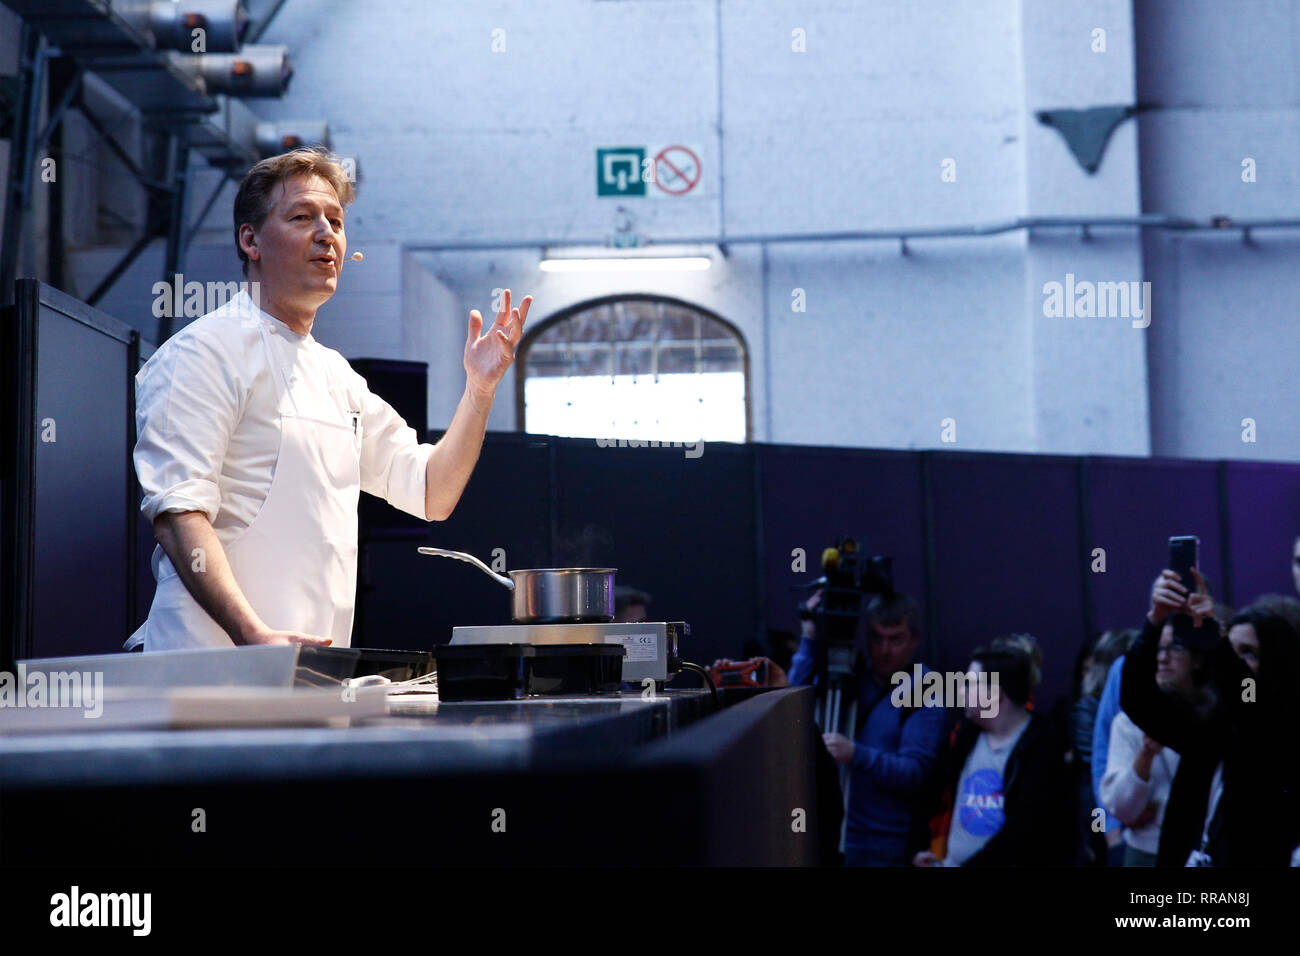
(1139, 768)
(1232, 798)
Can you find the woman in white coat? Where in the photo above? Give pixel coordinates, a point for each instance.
(1139, 770)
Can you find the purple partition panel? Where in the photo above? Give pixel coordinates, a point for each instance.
(1008, 558)
(1264, 519)
(1135, 506)
(811, 496)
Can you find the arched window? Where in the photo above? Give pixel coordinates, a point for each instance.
(635, 367)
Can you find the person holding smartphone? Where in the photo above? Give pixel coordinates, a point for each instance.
(1140, 769)
(1228, 803)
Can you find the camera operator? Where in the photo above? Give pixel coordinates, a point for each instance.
(1232, 801)
(893, 747)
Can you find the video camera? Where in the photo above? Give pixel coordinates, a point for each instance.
(849, 577)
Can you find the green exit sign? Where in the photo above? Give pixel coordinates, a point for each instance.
(618, 171)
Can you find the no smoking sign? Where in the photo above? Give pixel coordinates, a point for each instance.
(677, 170)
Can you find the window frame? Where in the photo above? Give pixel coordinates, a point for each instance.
(532, 334)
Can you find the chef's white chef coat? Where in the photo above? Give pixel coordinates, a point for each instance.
(209, 425)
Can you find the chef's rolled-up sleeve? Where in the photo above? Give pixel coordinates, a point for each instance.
(393, 460)
(187, 406)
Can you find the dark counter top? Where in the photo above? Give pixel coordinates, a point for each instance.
(606, 781)
(419, 736)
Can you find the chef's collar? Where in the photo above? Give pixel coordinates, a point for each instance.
(245, 302)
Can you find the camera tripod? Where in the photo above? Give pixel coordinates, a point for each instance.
(835, 707)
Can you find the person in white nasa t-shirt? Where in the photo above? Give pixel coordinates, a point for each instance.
(1011, 797)
(255, 440)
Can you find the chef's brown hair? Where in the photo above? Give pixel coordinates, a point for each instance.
(253, 201)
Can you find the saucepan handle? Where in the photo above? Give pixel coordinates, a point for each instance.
(470, 559)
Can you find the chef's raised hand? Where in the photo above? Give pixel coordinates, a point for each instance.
(487, 356)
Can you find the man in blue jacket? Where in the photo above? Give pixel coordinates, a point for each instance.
(893, 748)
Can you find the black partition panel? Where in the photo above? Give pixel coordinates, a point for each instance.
(987, 543)
(1263, 504)
(409, 600)
(813, 496)
(682, 529)
(404, 386)
(71, 492)
(1008, 558)
(1134, 507)
(145, 542)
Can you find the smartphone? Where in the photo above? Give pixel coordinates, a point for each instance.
(1184, 554)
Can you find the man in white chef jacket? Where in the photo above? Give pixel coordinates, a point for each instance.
(255, 440)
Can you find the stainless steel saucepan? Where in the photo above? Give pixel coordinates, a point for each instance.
(550, 595)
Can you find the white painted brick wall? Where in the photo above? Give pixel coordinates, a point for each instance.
(457, 143)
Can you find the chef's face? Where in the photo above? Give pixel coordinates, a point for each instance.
(298, 251)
